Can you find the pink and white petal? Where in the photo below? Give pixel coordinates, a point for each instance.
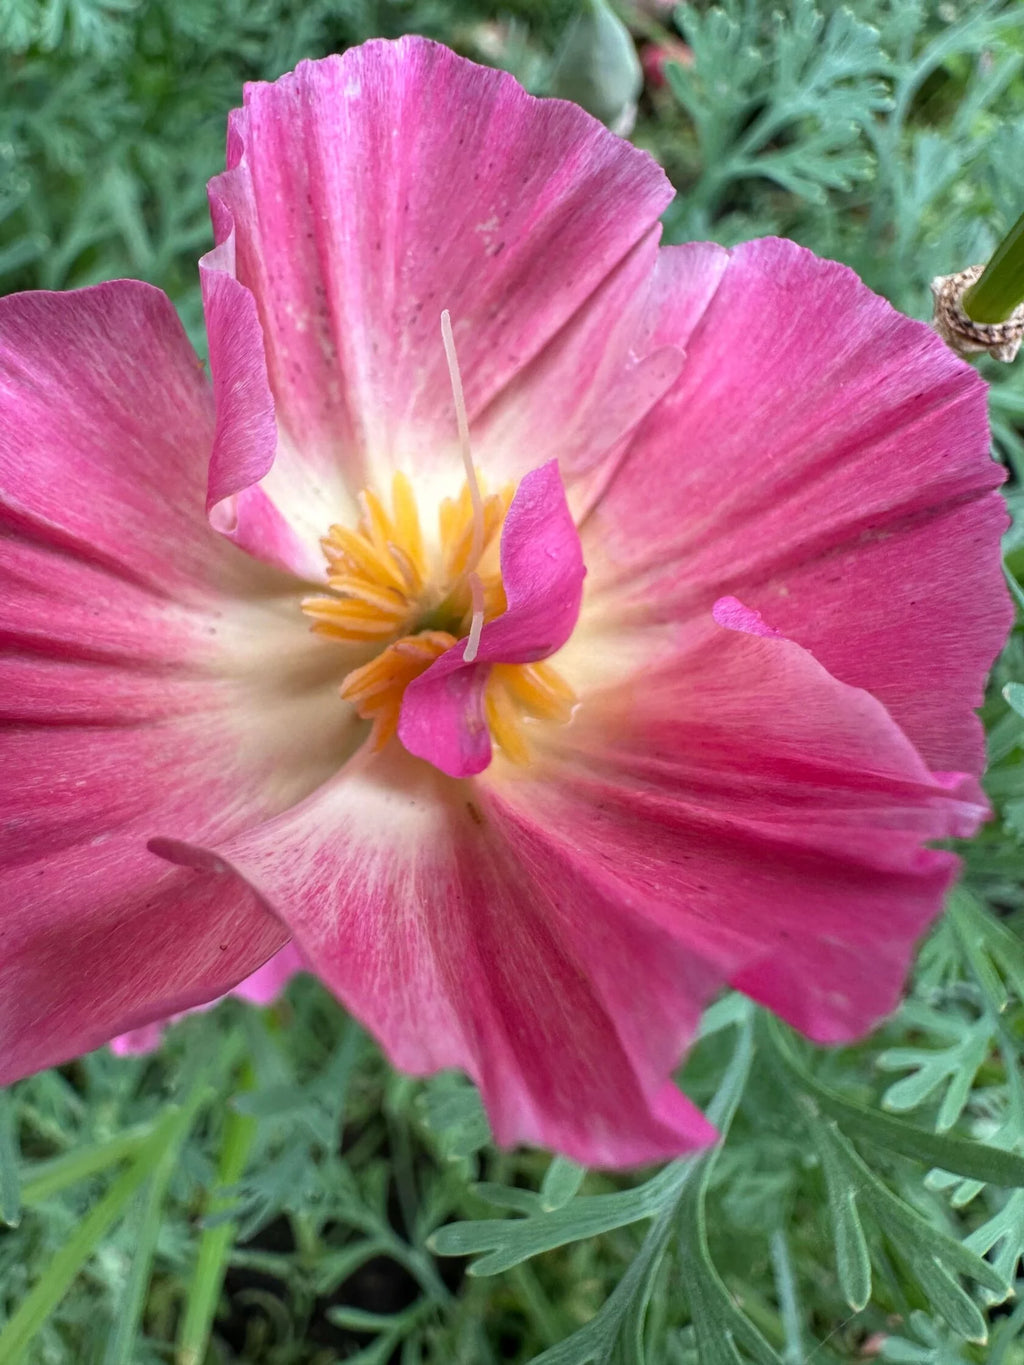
(542, 571)
(819, 445)
(99, 757)
(101, 935)
(261, 988)
(281, 519)
(133, 679)
(103, 940)
(455, 937)
(75, 368)
(770, 818)
(138, 1041)
(119, 604)
(268, 982)
(581, 397)
(338, 228)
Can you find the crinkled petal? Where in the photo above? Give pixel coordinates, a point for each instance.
(826, 460)
(449, 930)
(67, 364)
(133, 691)
(772, 819)
(542, 570)
(330, 214)
(270, 522)
(579, 400)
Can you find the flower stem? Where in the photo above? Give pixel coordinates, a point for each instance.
(48, 1178)
(44, 1296)
(122, 1343)
(1001, 288)
(48, 1291)
(217, 1240)
(10, 1187)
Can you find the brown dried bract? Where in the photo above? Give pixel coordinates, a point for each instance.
(1001, 339)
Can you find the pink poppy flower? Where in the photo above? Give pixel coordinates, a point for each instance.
(549, 816)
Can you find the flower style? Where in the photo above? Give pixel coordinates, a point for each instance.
(656, 676)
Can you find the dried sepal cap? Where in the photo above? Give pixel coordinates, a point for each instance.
(1001, 339)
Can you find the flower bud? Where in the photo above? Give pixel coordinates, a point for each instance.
(598, 67)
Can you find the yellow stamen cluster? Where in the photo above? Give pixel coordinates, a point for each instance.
(516, 689)
(385, 582)
(414, 600)
(376, 689)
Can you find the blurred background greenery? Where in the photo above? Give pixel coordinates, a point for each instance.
(886, 133)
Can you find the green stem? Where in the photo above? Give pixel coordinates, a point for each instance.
(121, 1345)
(10, 1186)
(1001, 287)
(44, 1179)
(48, 1178)
(789, 1307)
(216, 1242)
(959, 1156)
(536, 1303)
(44, 1296)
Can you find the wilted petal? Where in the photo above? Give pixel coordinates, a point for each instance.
(136, 1041)
(268, 981)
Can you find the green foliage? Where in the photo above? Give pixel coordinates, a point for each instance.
(797, 121)
(293, 1202)
(113, 118)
